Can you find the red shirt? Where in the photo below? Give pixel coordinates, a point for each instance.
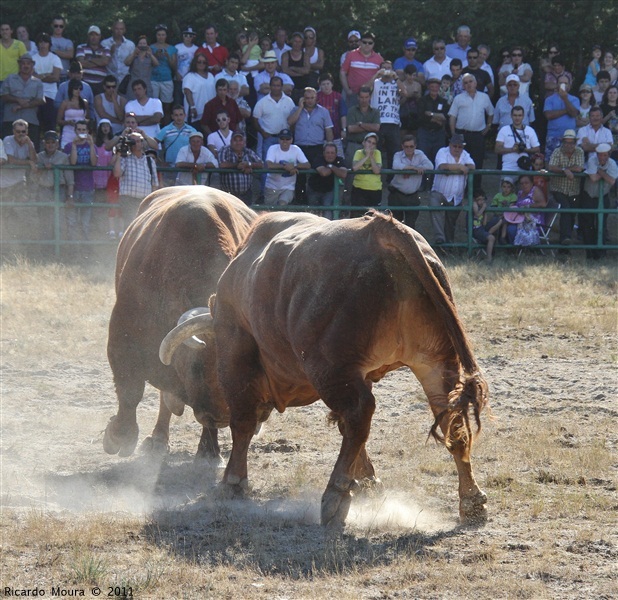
(216, 57)
(214, 106)
(360, 68)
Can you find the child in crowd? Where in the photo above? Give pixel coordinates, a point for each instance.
(445, 88)
(540, 181)
(503, 199)
(104, 182)
(594, 66)
(482, 232)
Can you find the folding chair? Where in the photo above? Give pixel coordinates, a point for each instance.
(550, 220)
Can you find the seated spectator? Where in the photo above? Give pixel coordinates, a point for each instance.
(72, 111)
(198, 86)
(110, 105)
(315, 56)
(481, 232)
(602, 84)
(540, 181)
(367, 188)
(503, 199)
(141, 63)
(409, 58)
(244, 160)
(94, 59)
(522, 228)
(47, 68)
(196, 157)
(75, 72)
(516, 143)
(231, 73)
(162, 79)
(46, 160)
(518, 67)
(321, 185)
(82, 152)
(600, 168)
(567, 159)
(288, 158)
(148, 111)
(404, 188)
(221, 102)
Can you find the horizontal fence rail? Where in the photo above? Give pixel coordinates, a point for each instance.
(337, 209)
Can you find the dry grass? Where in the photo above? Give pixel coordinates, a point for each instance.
(545, 334)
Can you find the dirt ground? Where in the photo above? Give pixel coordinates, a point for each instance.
(548, 461)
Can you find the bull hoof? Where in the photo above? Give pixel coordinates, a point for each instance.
(120, 440)
(370, 487)
(154, 446)
(213, 461)
(472, 509)
(335, 507)
(234, 488)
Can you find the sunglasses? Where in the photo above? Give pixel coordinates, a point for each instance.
(367, 42)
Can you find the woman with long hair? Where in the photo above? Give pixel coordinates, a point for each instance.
(198, 86)
(73, 109)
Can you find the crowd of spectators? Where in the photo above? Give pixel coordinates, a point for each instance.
(268, 102)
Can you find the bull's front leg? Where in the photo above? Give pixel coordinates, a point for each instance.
(235, 475)
(157, 442)
(122, 430)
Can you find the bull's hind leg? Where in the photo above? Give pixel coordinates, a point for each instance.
(362, 469)
(208, 448)
(353, 406)
(452, 419)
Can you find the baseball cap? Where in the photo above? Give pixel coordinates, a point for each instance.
(51, 135)
(410, 43)
(189, 30)
(285, 133)
(238, 134)
(26, 56)
(269, 56)
(513, 78)
(354, 33)
(94, 29)
(458, 139)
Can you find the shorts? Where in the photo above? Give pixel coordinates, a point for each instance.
(480, 234)
(163, 90)
(278, 197)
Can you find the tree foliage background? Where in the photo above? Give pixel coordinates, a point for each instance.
(575, 25)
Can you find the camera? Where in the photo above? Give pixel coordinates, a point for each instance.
(521, 147)
(123, 147)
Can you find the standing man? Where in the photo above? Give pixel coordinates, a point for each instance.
(47, 68)
(212, 50)
(461, 46)
(448, 190)
(439, 64)
(220, 103)
(362, 119)
(148, 111)
(359, 67)
(471, 115)
(94, 59)
(567, 159)
(386, 95)
(120, 48)
(286, 159)
(270, 114)
(515, 141)
(110, 105)
(353, 43)
(592, 135)
(483, 80)
(560, 110)
(10, 51)
(22, 94)
(231, 73)
(280, 45)
(600, 167)
(261, 80)
(321, 185)
(173, 137)
(138, 177)
(403, 190)
(409, 58)
(61, 46)
(244, 160)
(504, 106)
(433, 118)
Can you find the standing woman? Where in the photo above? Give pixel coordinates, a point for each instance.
(24, 37)
(295, 64)
(198, 86)
(316, 57)
(73, 109)
(367, 188)
(47, 68)
(163, 74)
(609, 65)
(141, 62)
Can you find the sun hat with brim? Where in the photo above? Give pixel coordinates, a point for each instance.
(514, 217)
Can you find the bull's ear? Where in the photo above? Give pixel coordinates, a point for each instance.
(198, 325)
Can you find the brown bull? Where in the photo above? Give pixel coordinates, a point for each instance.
(169, 261)
(312, 309)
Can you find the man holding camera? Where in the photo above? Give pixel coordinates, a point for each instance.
(516, 142)
(136, 171)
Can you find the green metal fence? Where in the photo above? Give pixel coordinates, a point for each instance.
(338, 209)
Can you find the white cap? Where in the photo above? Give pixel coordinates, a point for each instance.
(94, 29)
(513, 78)
(604, 148)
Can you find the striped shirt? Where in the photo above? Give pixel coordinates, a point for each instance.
(93, 74)
(360, 68)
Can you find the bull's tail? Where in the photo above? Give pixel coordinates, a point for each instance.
(471, 392)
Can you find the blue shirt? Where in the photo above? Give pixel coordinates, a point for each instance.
(556, 127)
(502, 111)
(402, 62)
(164, 71)
(173, 139)
(311, 126)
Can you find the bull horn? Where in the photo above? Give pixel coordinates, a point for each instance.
(190, 327)
(194, 342)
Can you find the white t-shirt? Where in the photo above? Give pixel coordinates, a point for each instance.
(44, 65)
(185, 154)
(184, 57)
(507, 137)
(294, 155)
(385, 98)
(150, 108)
(203, 89)
(218, 140)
